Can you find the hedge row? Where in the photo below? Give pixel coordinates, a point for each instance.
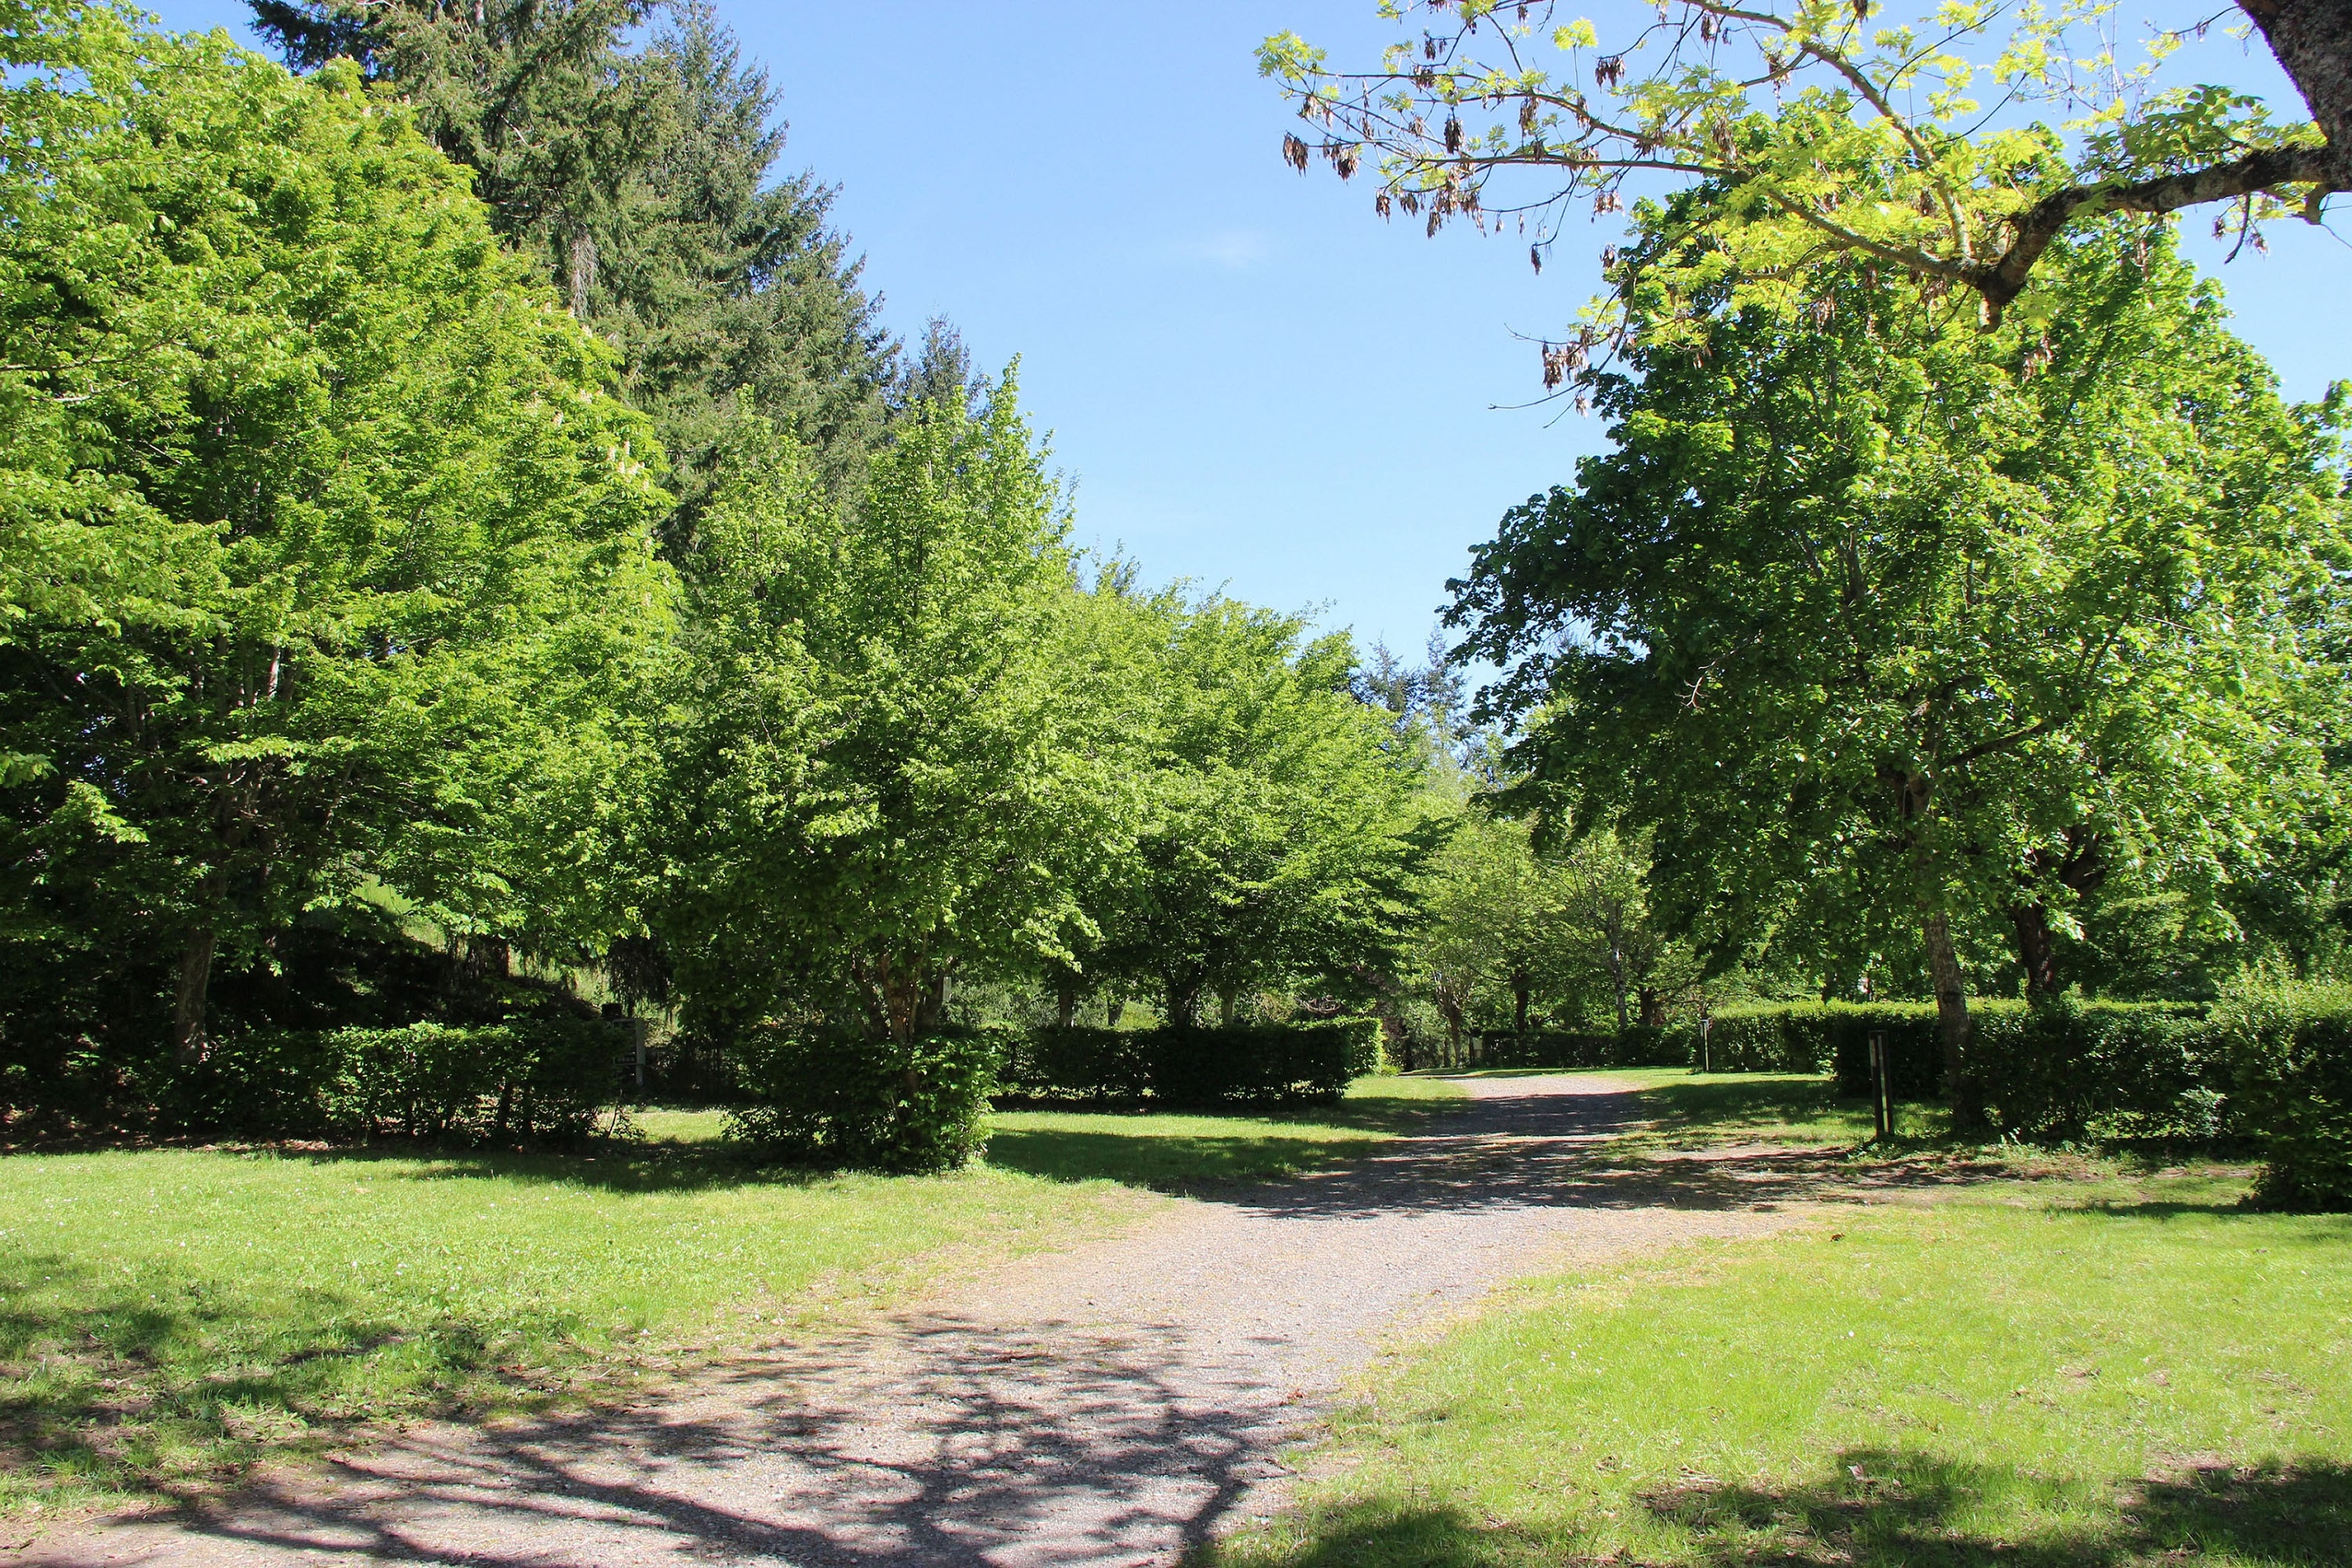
(2273, 1070)
(1273, 1064)
(921, 1106)
(528, 1079)
(1633, 1048)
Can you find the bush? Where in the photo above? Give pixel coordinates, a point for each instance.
(528, 1077)
(1260, 1064)
(827, 1100)
(2068, 1070)
(1080, 1064)
(1633, 1047)
(2289, 1060)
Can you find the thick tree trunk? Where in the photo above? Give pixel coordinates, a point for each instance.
(1654, 1008)
(2312, 41)
(1519, 1004)
(1184, 1004)
(1116, 1010)
(1951, 1020)
(1227, 1002)
(188, 1037)
(1065, 1004)
(2035, 951)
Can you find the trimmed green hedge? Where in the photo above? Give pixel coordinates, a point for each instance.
(2289, 1057)
(1634, 1047)
(1265, 1064)
(922, 1106)
(2069, 1070)
(526, 1079)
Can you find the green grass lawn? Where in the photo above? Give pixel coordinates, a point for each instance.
(2124, 1369)
(167, 1316)
(1700, 1108)
(1176, 1153)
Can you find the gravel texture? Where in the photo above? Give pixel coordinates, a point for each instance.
(1107, 1404)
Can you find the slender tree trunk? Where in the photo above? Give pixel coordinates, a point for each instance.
(1227, 1003)
(1065, 1004)
(2036, 950)
(188, 1037)
(1617, 970)
(1115, 1010)
(1519, 1004)
(1951, 1020)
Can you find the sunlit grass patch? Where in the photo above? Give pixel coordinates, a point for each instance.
(2124, 1369)
(1175, 1151)
(167, 1315)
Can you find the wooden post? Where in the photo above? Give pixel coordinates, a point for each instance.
(638, 1038)
(1882, 1094)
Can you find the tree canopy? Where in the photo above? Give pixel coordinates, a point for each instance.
(318, 511)
(1954, 144)
(1877, 619)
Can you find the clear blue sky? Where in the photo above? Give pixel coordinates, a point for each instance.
(1253, 381)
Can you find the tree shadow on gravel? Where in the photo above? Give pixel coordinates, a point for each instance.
(948, 1442)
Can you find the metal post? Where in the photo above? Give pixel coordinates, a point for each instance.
(1706, 1039)
(1882, 1098)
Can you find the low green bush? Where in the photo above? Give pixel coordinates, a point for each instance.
(1257, 1064)
(2288, 1056)
(878, 1105)
(526, 1079)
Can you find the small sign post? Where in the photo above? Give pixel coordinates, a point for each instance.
(1882, 1096)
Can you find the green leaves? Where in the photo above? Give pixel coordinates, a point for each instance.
(1954, 147)
(317, 516)
(1883, 614)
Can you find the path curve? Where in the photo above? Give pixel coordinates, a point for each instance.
(1108, 1404)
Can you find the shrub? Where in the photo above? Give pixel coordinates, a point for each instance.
(1633, 1047)
(828, 1100)
(2289, 1059)
(526, 1078)
(2067, 1070)
(1080, 1063)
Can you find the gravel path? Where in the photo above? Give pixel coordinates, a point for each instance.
(1107, 1404)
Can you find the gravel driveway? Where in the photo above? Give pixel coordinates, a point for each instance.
(1107, 1404)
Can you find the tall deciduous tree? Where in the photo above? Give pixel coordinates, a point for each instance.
(1282, 825)
(880, 780)
(314, 507)
(1884, 614)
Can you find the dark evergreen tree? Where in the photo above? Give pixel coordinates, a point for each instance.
(643, 179)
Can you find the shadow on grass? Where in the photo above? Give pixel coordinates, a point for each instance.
(1164, 1161)
(1733, 1103)
(123, 1381)
(1897, 1509)
(619, 1167)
